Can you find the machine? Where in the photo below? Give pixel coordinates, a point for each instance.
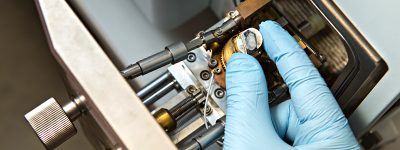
(116, 114)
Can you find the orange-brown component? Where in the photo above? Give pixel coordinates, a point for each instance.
(165, 119)
(250, 8)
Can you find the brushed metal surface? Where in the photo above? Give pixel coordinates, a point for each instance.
(115, 118)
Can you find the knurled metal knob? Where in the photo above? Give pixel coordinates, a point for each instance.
(51, 123)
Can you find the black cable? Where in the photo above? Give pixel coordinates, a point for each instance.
(234, 3)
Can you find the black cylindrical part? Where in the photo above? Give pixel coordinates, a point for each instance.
(211, 136)
(171, 54)
(208, 137)
(155, 61)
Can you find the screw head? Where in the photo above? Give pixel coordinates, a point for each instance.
(205, 75)
(218, 30)
(217, 71)
(191, 57)
(219, 93)
(190, 89)
(208, 110)
(212, 63)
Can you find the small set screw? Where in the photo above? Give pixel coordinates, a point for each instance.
(205, 75)
(190, 89)
(217, 71)
(191, 57)
(212, 63)
(219, 93)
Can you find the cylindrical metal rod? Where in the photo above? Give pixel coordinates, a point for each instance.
(148, 64)
(154, 85)
(72, 110)
(171, 54)
(208, 137)
(160, 93)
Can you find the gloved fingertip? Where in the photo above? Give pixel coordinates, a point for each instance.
(240, 61)
(248, 120)
(244, 71)
(276, 40)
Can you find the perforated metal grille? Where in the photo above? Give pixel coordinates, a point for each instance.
(50, 123)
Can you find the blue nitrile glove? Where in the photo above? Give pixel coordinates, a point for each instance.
(312, 119)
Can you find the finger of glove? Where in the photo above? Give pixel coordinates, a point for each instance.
(316, 108)
(285, 121)
(248, 121)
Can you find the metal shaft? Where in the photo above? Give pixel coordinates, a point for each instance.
(178, 51)
(154, 85)
(208, 137)
(160, 93)
(171, 54)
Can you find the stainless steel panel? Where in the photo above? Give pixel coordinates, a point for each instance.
(120, 118)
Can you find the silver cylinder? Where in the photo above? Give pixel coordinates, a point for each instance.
(132, 71)
(154, 85)
(72, 111)
(159, 94)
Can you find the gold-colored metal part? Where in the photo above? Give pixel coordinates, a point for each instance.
(248, 41)
(228, 50)
(165, 119)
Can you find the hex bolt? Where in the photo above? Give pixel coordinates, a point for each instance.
(191, 57)
(205, 74)
(217, 71)
(212, 63)
(219, 93)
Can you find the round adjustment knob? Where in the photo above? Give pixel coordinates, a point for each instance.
(51, 123)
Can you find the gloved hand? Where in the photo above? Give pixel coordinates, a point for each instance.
(312, 119)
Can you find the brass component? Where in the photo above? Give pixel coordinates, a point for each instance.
(228, 50)
(165, 119)
(248, 9)
(248, 41)
(220, 78)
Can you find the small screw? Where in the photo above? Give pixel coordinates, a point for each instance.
(322, 58)
(219, 93)
(231, 14)
(190, 89)
(212, 63)
(218, 31)
(217, 71)
(200, 34)
(191, 57)
(205, 75)
(208, 110)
